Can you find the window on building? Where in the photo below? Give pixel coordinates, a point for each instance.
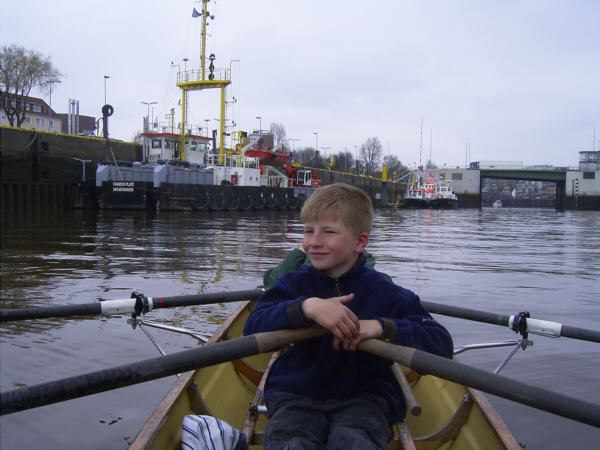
(156, 143)
(457, 176)
(51, 122)
(589, 175)
(36, 108)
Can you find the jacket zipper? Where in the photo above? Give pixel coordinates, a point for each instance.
(338, 290)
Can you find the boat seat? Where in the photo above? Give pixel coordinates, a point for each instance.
(251, 373)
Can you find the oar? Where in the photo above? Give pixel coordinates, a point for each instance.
(516, 322)
(137, 304)
(150, 369)
(539, 398)
(424, 363)
(142, 304)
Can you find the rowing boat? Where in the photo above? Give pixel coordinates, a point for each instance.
(449, 415)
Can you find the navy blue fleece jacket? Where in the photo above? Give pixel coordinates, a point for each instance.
(313, 367)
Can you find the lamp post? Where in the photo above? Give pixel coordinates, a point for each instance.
(293, 148)
(50, 82)
(106, 77)
(326, 160)
(259, 126)
(148, 116)
(345, 159)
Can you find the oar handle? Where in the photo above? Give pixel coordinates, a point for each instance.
(427, 363)
(150, 369)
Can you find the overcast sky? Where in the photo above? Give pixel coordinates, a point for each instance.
(490, 80)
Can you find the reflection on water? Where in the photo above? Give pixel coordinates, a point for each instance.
(500, 260)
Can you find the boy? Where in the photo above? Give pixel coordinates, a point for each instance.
(321, 393)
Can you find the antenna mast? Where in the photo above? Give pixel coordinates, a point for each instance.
(421, 143)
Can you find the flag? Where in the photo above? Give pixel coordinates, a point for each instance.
(195, 13)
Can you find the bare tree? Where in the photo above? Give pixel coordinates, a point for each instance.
(309, 157)
(278, 132)
(394, 166)
(20, 71)
(370, 154)
(344, 161)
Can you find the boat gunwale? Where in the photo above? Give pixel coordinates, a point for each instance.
(155, 422)
(496, 422)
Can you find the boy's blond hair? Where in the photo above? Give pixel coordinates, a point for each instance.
(340, 201)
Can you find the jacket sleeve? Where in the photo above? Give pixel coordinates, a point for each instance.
(278, 308)
(292, 261)
(411, 325)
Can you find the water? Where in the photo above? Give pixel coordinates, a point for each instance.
(499, 260)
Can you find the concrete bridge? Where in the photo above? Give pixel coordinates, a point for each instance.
(575, 189)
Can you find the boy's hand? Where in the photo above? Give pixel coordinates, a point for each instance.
(368, 329)
(333, 315)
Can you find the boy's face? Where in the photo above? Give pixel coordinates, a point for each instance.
(331, 246)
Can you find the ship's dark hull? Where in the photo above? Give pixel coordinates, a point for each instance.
(189, 197)
(436, 203)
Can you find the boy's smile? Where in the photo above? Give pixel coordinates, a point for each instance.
(331, 246)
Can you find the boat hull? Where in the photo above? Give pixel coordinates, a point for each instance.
(197, 197)
(189, 188)
(226, 390)
(443, 203)
(438, 203)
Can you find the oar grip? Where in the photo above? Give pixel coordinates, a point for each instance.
(150, 369)
(427, 363)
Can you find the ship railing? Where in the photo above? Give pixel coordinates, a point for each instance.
(196, 75)
(232, 161)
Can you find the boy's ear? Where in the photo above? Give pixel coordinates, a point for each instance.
(361, 242)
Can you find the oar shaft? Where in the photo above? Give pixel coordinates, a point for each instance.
(151, 369)
(125, 306)
(544, 327)
(205, 299)
(426, 363)
(44, 312)
(466, 313)
(580, 333)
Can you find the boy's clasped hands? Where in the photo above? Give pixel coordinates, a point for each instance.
(333, 315)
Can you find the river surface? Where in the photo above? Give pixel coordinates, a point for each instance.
(500, 260)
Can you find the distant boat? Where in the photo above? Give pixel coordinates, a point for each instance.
(497, 204)
(429, 194)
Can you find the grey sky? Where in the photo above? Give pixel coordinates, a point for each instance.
(518, 80)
